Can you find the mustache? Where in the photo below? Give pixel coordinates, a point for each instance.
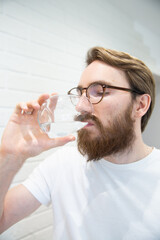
(86, 117)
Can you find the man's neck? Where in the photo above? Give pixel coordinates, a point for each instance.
(138, 151)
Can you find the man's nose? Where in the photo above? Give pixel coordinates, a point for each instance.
(84, 105)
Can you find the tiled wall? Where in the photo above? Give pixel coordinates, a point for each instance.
(42, 49)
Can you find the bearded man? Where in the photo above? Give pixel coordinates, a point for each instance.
(109, 186)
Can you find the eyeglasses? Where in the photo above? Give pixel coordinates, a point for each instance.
(96, 91)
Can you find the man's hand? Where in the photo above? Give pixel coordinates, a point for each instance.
(23, 137)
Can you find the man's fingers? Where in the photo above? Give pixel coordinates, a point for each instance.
(32, 106)
(20, 107)
(42, 98)
(26, 108)
(29, 107)
(56, 142)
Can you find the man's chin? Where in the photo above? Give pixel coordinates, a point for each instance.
(97, 141)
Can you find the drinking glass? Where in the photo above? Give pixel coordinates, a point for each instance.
(58, 115)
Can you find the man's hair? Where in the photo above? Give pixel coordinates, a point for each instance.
(138, 74)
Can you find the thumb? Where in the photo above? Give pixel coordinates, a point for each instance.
(60, 141)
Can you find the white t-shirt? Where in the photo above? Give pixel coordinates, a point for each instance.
(99, 200)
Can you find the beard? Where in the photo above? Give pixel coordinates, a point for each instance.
(115, 138)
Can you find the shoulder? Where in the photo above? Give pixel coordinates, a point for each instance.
(152, 161)
(62, 157)
(156, 150)
(155, 154)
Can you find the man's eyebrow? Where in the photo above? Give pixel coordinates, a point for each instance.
(79, 86)
(103, 82)
(98, 82)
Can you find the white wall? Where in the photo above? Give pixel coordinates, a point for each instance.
(42, 49)
(151, 134)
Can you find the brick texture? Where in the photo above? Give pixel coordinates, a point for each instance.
(42, 49)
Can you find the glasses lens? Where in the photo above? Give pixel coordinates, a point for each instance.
(75, 91)
(74, 99)
(74, 94)
(95, 93)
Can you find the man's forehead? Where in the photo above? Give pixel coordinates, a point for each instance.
(99, 71)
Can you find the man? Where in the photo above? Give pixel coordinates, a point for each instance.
(110, 188)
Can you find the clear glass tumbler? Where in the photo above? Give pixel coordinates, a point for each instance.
(58, 115)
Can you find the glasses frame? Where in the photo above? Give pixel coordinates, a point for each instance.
(104, 86)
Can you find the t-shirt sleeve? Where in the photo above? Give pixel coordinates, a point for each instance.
(47, 177)
(37, 185)
(41, 181)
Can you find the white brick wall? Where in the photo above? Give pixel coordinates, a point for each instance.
(42, 48)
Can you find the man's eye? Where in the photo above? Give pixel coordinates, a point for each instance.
(99, 93)
(107, 91)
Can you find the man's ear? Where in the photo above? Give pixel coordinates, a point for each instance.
(142, 104)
